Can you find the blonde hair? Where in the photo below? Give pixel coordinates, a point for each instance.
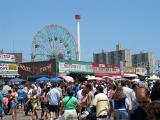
(119, 94)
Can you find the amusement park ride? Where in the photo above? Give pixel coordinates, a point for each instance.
(55, 41)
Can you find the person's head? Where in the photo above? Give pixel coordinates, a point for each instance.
(155, 94)
(88, 87)
(70, 92)
(84, 92)
(142, 95)
(27, 84)
(82, 86)
(37, 85)
(119, 94)
(54, 85)
(9, 91)
(123, 83)
(114, 87)
(15, 89)
(34, 92)
(134, 86)
(100, 89)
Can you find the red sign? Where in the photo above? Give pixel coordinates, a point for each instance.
(7, 57)
(106, 69)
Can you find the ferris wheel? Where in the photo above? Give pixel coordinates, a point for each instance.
(53, 41)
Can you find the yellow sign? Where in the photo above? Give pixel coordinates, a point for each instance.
(12, 67)
(130, 70)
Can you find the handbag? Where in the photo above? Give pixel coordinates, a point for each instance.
(92, 113)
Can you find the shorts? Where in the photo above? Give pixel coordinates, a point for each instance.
(45, 106)
(13, 104)
(121, 114)
(21, 101)
(53, 108)
(70, 115)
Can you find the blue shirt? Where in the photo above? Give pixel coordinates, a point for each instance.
(20, 93)
(54, 95)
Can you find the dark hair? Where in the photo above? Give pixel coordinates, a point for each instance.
(84, 91)
(89, 86)
(100, 89)
(47, 90)
(134, 86)
(114, 87)
(70, 92)
(54, 85)
(155, 94)
(9, 91)
(123, 83)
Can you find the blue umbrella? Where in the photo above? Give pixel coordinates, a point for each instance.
(42, 79)
(56, 79)
(16, 80)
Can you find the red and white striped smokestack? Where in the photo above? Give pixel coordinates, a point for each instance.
(77, 17)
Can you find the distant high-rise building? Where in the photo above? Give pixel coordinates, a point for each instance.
(18, 57)
(119, 47)
(143, 59)
(114, 57)
(101, 57)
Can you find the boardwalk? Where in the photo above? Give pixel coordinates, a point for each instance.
(21, 116)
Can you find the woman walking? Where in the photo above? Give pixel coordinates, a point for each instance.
(13, 103)
(69, 104)
(120, 104)
(34, 102)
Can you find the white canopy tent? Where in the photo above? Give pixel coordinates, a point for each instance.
(94, 78)
(153, 77)
(131, 75)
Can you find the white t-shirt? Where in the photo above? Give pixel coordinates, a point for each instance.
(6, 88)
(29, 93)
(39, 91)
(130, 95)
(79, 95)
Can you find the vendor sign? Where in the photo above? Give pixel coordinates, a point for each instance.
(65, 67)
(106, 68)
(8, 67)
(7, 58)
(129, 70)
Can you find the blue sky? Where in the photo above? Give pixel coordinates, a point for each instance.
(104, 23)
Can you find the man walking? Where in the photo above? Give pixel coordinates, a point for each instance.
(101, 103)
(54, 99)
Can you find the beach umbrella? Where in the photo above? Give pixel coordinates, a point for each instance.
(42, 79)
(56, 79)
(95, 78)
(16, 81)
(68, 78)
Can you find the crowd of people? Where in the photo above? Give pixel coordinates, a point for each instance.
(88, 100)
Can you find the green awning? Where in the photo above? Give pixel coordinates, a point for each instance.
(80, 72)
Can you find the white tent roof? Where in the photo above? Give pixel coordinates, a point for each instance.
(131, 75)
(136, 80)
(153, 77)
(94, 78)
